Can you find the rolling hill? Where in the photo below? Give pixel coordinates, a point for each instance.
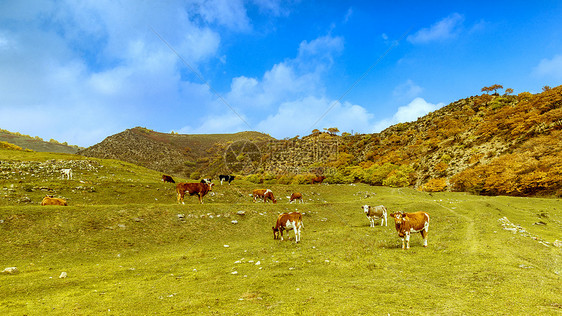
(485, 144)
(178, 154)
(36, 143)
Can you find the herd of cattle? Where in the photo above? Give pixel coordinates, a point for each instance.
(405, 223)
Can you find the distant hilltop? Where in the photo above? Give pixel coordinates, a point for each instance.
(172, 153)
(36, 143)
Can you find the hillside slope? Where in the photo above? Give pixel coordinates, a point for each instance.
(177, 154)
(483, 144)
(35, 143)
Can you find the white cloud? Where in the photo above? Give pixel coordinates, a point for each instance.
(549, 68)
(289, 80)
(228, 122)
(226, 12)
(446, 28)
(348, 15)
(298, 117)
(290, 97)
(99, 65)
(411, 112)
(407, 90)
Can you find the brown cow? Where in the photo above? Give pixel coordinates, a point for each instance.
(266, 194)
(166, 178)
(296, 196)
(407, 223)
(288, 221)
(318, 179)
(199, 189)
(50, 200)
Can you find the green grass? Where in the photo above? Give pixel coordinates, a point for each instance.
(126, 251)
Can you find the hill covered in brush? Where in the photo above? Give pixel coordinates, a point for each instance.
(36, 143)
(487, 144)
(178, 154)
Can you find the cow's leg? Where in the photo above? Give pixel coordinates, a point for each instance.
(407, 241)
(424, 236)
(403, 245)
(297, 234)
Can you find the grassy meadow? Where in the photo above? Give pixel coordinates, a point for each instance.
(127, 248)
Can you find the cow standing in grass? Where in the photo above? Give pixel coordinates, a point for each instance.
(407, 223)
(199, 189)
(66, 173)
(375, 212)
(318, 180)
(288, 221)
(226, 177)
(296, 196)
(50, 200)
(166, 178)
(264, 194)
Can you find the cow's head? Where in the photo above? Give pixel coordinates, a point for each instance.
(210, 185)
(365, 208)
(275, 233)
(398, 217)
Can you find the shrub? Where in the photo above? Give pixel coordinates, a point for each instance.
(435, 185)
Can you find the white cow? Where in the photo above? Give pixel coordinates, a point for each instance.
(375, 212)
(66, 173)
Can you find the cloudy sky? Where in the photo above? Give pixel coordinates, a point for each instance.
(79, 71)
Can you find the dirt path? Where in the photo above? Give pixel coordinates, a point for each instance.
(470, 234)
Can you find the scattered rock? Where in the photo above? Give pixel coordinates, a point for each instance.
(234, 222)
(10, 270)
(241, 213)
(62, 275)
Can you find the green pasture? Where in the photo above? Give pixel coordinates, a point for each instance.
(127, 248)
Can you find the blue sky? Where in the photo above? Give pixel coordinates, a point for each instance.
(79, 71)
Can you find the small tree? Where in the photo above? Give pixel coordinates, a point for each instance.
(332, 130)
(494, 88)
(508, 91)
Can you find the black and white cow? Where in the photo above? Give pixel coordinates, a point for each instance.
(224, 177)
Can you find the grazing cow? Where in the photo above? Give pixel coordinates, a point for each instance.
(375, 212)
(318, 179)
(166, 178)
(199, 189)
(266, 194)
(224, 177)
(407, 223)
(296, 196)
(50, 200)
(288, 221)
(66, 173)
